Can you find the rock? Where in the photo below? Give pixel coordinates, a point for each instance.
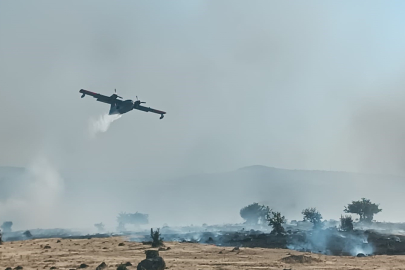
(121, 244)
(18, 268)
(101, 266)
(128, 264)
(47, 247)
(235, 249)
(361, 255)
(150, 254)
(58, 241)
(9, 268)
(121, 267)
(152, 261)
(83, 265)
(152, 264)
(53, 268)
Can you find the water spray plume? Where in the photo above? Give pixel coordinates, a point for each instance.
(102, 124)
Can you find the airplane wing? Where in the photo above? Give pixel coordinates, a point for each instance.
(148, 109)
(106, 99)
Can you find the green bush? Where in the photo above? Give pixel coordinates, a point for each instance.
(276, 220)
(346, 223)
(157, 241)
(313, 216)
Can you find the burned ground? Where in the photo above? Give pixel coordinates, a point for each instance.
(71, 253)
(328, 241)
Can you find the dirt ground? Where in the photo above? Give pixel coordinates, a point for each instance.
(70, 254)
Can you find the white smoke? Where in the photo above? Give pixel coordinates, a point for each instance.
(47, 184)
(35, 204)
(323, 241)
(102, 123)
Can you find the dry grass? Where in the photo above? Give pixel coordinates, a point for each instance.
(70, 254)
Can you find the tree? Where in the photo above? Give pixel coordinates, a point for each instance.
(276, 221)
(313, 216)
(364, 208)
(7, 226)
(157, 241)
(121, 227)
(134, 219)
(254, 213)
(346, 223)
(27, 234)
(99, 226)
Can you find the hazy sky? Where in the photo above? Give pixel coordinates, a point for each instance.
(269, 82)
(308, 85)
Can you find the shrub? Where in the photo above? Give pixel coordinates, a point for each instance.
(276, 221)
(313, 216)
(157, 241)
(99, 226)
(346, 223)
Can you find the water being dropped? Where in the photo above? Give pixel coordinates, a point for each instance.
(102, 124)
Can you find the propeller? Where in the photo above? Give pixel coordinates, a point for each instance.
(140, 102)
(115, 91)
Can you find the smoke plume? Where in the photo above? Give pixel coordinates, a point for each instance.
(102, 124)
(36, 202)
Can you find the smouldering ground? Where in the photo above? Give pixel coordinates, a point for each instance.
(69, 254)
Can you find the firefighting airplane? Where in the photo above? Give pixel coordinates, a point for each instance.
(119, 106)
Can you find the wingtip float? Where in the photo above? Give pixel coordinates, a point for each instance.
(119, 106)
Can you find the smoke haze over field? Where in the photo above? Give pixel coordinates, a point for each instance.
(36, 202)
(314, 85)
